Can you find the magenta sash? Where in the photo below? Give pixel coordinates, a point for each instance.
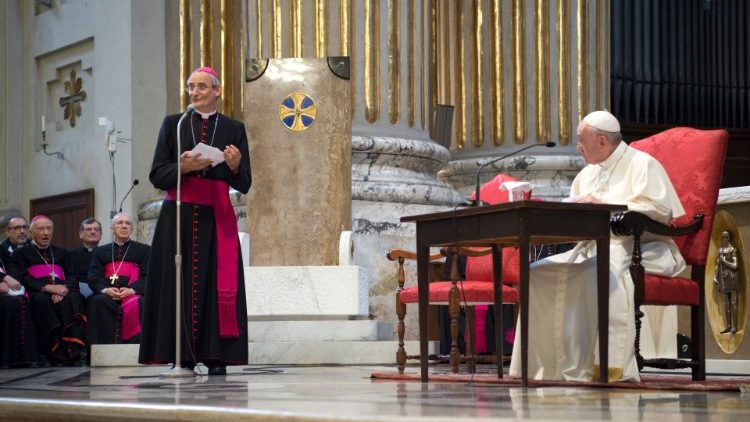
(43, 270)
(131, 321)
(215, 193)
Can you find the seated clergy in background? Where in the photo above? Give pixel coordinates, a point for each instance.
(562, 301)
(117, 275)
(90, 234)
(56, 304)
(18, 235)
(18, 344)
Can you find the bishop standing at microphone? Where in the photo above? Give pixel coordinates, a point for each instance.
(214, 312)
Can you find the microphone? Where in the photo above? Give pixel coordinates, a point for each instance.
(189, 109)
(478, 202)
(135, 182)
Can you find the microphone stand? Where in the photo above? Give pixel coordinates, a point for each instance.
(478, 202)
(177, 371)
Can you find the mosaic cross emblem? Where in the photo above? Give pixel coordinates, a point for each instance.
(297, 112)
(72, 103)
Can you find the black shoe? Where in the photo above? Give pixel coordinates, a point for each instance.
(217, 370)
(188, 365)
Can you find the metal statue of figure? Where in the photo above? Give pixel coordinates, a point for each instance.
(726, 277)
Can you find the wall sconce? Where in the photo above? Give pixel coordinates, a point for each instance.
(45, 145)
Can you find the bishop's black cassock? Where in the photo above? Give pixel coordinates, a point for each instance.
(214, 312)
(60, 326)
(115, 265)
(18, 343)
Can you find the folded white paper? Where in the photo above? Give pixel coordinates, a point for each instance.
(213, 153)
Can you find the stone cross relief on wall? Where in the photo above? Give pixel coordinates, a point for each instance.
(72, 102)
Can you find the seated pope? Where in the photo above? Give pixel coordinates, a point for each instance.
(562, 300)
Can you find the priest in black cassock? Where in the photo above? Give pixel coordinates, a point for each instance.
(56, 304)
(117, 276)
(18, 343)
(90, 233)
(213, 302)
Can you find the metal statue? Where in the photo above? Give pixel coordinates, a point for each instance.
(726, 277)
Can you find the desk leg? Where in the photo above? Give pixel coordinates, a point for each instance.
(423, 291)
(523, 259)
(497, 278)
(602, 290)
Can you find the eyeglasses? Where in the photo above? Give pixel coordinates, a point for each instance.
(18, 228)
(200, 88)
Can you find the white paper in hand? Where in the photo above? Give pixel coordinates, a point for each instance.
(213, 153)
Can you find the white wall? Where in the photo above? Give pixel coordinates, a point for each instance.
(117, 48)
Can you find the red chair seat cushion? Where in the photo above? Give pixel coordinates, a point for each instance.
(471, 292)
(670, 291)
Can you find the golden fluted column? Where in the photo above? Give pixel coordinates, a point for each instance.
(496, 84)
(544, 96)
(518, 57)
(186, 48)
(228, 49)
(562, 27)
(435, 52)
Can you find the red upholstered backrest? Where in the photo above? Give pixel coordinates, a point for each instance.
(480, 268)
(694, 160)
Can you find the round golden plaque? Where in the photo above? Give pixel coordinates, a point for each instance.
(729, 342)
(297, 112)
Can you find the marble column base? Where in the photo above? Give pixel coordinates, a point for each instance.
(550, 175)
(376, 228)
(389, 169)
(148, 213)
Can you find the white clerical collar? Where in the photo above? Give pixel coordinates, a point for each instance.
(121, 244)
(37, 246)
(613, 158)
(203, 115)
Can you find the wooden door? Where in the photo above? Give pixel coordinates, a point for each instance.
(66, 211)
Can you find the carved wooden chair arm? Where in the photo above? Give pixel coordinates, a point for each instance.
(633, 223)
(395, 254)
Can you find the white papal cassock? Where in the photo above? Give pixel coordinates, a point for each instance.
(563, 341)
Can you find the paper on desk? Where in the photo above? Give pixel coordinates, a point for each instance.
(215, 154)
(516, 186)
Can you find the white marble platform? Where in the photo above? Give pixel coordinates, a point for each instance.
(306, 291)
(320, 330)
(277, 353)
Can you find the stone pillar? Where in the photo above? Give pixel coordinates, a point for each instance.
(519, 73)
(394, 162)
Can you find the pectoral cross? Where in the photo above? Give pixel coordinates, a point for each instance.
(52, 276)
(113, 279)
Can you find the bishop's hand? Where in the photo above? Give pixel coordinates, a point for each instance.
(190, 162)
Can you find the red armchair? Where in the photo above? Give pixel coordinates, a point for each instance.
(476, 289)
(694, 160)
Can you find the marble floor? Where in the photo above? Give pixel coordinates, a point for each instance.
(329, 393)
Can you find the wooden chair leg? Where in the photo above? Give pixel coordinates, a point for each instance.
(401, 352)
(638, 357)
(470, 350)
(453, 309)
(697, 341)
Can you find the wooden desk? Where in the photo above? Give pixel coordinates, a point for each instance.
(519, 224)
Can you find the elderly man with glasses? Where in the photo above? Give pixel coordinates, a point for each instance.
(18, 235)
(213, 305)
